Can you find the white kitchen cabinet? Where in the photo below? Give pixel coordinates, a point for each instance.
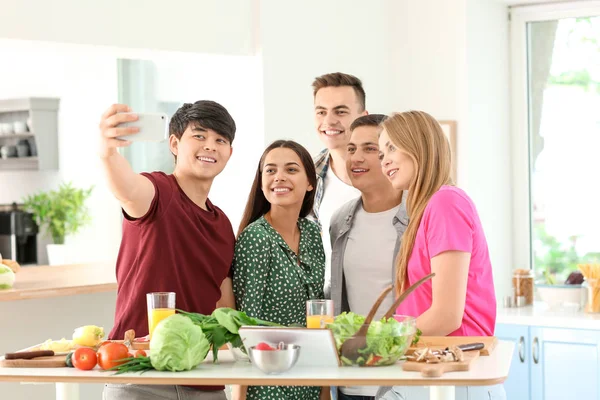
(517, 386)
(564, 364)
(41, 116)
(552, 363)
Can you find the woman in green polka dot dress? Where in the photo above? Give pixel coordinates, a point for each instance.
(279, 262)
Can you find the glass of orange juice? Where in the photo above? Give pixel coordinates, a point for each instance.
(160, 306)
(319, 313)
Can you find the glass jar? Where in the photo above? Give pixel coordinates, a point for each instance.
(522, 283)
(593, 296)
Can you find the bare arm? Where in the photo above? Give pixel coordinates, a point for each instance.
(238, 392)
(449, 291)
(134, 191)
(227, 299)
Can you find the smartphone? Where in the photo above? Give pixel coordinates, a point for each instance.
(154, 127)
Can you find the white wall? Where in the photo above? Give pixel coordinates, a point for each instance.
(222, 27)
(486, 150)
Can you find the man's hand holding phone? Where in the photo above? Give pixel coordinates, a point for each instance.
(110, 129)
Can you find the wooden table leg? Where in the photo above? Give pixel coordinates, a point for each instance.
(441, 393)
(67, 391)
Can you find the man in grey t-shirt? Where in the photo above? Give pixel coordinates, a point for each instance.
(365, 234)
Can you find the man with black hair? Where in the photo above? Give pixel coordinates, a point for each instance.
(365, 234)
(174, 238)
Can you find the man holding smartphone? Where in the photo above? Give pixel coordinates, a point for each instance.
(174, 238)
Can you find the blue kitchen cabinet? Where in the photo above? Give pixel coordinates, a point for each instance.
(518, 384)
(552, 363)
(564, 364)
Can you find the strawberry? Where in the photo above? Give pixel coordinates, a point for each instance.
(263, 346)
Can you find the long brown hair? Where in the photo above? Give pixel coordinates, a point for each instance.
(257, 204)
(421, 137)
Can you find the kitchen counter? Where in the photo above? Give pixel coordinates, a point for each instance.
(61, 280)
(540, 315)
(486, 370)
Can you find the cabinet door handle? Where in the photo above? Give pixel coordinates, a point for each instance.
(522, 349)
(535, 350)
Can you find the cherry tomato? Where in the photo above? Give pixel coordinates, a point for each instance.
(84, 358)
(140, 353)
(111, 355)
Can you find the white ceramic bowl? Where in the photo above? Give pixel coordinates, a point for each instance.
(556, 296)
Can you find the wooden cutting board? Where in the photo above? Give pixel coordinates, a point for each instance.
(39, 362)
(441, 342)
(437, 370)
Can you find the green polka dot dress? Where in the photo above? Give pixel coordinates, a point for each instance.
(269, 283)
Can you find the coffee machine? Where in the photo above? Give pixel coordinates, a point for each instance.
(18, 235)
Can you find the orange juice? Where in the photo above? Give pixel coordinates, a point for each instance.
(314, 321)
(156, 315)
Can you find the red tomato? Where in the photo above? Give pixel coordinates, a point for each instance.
(111, 355)
(140, 353)
(84, 358)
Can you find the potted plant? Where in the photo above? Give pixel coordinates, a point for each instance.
(60, 212)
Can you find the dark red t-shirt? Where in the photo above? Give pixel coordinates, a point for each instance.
(176, 247)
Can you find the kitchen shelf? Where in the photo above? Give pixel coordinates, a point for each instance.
(19, 163)
(9, 136)
(41, 116)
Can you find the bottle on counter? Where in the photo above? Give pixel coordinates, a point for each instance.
(522, 282)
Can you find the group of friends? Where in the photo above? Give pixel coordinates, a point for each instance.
(377, 207)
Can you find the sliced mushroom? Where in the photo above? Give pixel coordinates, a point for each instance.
(457, 353)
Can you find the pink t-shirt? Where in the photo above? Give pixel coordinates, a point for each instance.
(450, 222)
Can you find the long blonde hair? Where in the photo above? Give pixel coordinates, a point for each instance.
(421, 137)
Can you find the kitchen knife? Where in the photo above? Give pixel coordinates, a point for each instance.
(27, 355)
(463, 347)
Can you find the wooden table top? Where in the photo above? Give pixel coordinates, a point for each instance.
(486, 370)
(61, 280)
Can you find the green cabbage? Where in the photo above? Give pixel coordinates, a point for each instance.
(177, 344)
(7, 277)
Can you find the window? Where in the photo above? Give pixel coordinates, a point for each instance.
(557, 138)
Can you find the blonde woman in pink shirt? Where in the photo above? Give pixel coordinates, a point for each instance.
(444, 236)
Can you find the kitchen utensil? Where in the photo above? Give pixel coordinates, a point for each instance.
(463, 347)
(275, 361)
(26, 355)
(443, 342)
(56, 361)
(437, 370)
(350, 347)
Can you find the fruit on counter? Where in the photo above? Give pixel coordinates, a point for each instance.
(89, 335)
(575, 278)
(58, 346)
(11, 264)
(264, 346)
(140, 353)
(112, 355)
(7, 277)
(84, 358)
(178, 344)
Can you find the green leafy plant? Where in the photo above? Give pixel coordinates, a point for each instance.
(61, 212)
